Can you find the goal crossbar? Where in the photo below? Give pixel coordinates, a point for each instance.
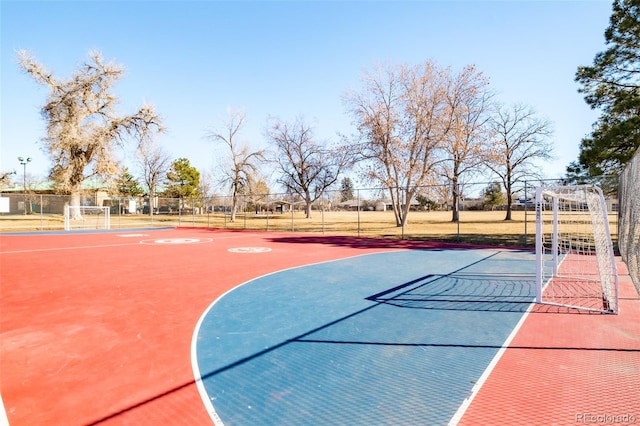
(574, 253)
(86, 217)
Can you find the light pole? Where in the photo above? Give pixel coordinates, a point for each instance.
(24, 162)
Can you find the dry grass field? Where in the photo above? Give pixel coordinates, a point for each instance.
(481, 227)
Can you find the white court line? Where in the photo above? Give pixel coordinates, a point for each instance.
(68, 248)
(487, 372)
(217, 421)
(110, 245)
(4, 420)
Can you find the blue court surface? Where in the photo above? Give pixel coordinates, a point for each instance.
(387, 338)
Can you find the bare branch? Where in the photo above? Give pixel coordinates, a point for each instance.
(83, 127)
(306, 167)
(244, 162)
(519, 139)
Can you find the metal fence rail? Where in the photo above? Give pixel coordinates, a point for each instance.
(364, 212)
(629, 220)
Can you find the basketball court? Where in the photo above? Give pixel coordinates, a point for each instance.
(197, 326)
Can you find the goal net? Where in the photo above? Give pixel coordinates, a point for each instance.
(86, 217)
(574, 253)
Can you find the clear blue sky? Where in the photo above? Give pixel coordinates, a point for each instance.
(193, 59)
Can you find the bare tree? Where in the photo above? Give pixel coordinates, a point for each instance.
(307, 168)
(244, 162)
(205, 187)
(5, 179)
(83, 127)
(154, 163)
(257, 191)
(467, 105)
(400, 115)
(519, 138)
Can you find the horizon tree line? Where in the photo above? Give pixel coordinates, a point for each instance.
(415, 125)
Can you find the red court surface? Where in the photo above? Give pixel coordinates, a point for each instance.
(97, 329)
(567, 367)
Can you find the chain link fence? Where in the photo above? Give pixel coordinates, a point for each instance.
(360, 212)
(629, 228)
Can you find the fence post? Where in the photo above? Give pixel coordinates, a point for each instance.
(358, 207)
(404, 205)
(322, 211)
(41, 214)
(526, 202)
(180, 206)
(457, 203)
(291, 206)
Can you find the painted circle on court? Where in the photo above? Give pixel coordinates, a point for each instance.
(177, 241)
(249, 249)
(331, 302)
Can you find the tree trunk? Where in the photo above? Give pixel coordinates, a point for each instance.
(406, 208)
(455, 214)
(509, 200)
(397, 211)
(28, 209)
(395, 203)
(308, 201)
(74, 210)
(151, 206)
(402, 209)
(405, 214)
(234, 207)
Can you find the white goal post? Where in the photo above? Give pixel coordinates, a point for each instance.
(574, 253)
(86, 217)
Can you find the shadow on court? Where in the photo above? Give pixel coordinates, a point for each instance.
(435, 241)
(493, 293)
(318, 352)
(462, 293)
(340, 343)
(376, 338)
(446, 242)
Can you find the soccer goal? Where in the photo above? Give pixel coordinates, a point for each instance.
(86, 217)
(575, 261)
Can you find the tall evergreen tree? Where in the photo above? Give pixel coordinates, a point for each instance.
(346, 189)
(127, 185)
(493, 196)
(182, 179)
(612, 84)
